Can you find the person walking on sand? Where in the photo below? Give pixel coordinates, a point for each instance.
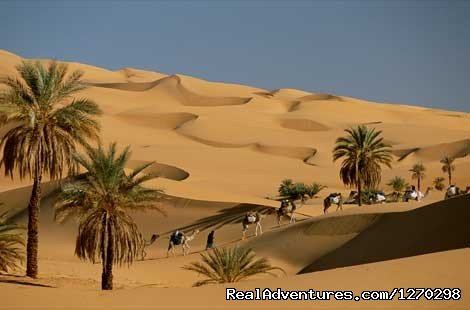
(210, 240)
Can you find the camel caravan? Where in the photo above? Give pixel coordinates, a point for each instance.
(360, 173)
(288, 208)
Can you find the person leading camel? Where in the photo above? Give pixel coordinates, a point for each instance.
(210, 240)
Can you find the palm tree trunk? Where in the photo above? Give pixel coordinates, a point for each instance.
(450, 177)
(107, 283)
(33, 229)
(419, 183)
(359, 192)
(104, 246)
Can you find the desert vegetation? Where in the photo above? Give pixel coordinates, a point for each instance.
(228, 265)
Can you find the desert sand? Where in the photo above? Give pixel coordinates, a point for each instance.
(221, 149)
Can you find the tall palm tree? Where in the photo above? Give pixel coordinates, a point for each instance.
(448, 166)
(364, 152)
(102, 198)
(230, 265)
(418, 173)
(46, 126)
(11, 244)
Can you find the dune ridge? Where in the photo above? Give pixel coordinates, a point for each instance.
(170, 121)
(456, 149)
(302, 153)
(303, 124)
(174, 86)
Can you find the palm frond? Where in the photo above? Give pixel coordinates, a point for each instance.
(11, 245)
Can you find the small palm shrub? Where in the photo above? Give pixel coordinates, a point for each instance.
(439, 183)
(230, 265)
(398, 184)
(11, 245)
(298, 190)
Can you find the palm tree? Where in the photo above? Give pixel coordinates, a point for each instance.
(230, 265)
(439, 183)
(102, 198)
(11, 245)
(398, 184)
(418, 173)
(448, 167)
(47, 124)
(364, 152)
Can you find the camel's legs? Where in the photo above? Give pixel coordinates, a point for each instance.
(292, 217)
(144, 254)
(258, 226)
(186, 248)
(170, 248)
(244, 232)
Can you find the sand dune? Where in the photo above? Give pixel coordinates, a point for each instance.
(172, 84)
(161, 170)
(319, 97)
(302, 124)
(436, 152)
(437, 227)
(302, 153)
(351, 239)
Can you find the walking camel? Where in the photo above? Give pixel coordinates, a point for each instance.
(333, 198)
(250, 218)
(179, 238)
(414, 194)
(287, 208)
(147, 244)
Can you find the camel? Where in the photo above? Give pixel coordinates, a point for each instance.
(414, 194)
(333, 198)
(378, 198)
(178, 238)
(287, 208)
(252, 217)
(148, 243)
(454, 191)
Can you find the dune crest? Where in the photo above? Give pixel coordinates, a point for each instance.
(173, 86)
(302, 124)
(456, 149)
(145, 118)
(161, 170)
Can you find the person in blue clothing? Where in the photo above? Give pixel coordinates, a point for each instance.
(210, 240)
